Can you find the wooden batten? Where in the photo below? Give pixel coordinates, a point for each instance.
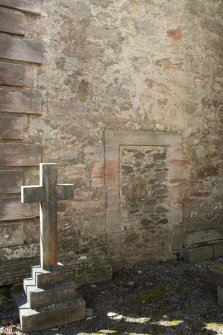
(13, 22)
(31, 6)
(14, 154)
(27, 102)
(11, 208)
(11, 181)
(18, 75)
(19, 49)
(13, 127)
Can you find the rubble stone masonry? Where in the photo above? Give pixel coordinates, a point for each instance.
(112, 72)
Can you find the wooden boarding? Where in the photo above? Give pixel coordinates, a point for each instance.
(13, 22)
(28, 102)
(20, 154)
(12, 209)
(16, 48)
(32, 6)
(13, 127)
(18, 75)
(11, 181)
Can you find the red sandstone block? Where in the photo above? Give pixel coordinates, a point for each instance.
(20, 154)
(13, 209)
(175, 34)
(11, 181)
(13, 127)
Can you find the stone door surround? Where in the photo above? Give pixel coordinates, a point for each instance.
(114, 139)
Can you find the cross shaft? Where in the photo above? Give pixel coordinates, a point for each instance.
(47, 194)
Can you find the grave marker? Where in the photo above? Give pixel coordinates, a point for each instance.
(50, 297)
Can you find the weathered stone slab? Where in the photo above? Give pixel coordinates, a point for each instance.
(14, 233)
(20, 154)
(18, 252)
(16, 48)
(11, 181)
(13, 127)
(218, 250)
(37, 297)
(198, 254)
(12, 209)
(13, 22)
(199, 238)
(28, 102)
(50, 316)
(32, 6)
(18, 75)
(45, 278)
(14, 271)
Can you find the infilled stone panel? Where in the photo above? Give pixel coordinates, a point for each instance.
(144, 194)
(143, 179)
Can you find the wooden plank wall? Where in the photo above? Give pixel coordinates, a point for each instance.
(19, 101)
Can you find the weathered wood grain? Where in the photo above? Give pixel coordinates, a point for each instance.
(28, 102)
(11, 181)
(16, 48)
(13, 127)
(20, 154)
(32, 6)
(13, 22)
(11, 208)
(18, 75)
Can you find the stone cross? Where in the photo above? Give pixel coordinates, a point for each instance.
(47, 194)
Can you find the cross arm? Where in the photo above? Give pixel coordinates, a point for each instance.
(65, 191)
(31, 193)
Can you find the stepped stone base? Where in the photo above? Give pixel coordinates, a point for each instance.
(50, 299)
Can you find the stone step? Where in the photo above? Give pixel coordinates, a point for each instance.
(44, 278)
(37, 297)
(49, 316)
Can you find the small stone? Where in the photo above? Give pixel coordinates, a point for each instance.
(111, 314)
(89, 312)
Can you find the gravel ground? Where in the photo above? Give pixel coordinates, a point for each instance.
(166, 298)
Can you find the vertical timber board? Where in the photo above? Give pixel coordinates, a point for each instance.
(27, 102)
(13, 127)
(16, 48)
(18, 75)
(11, 181)
(13, 22)
(31, 6)
(20, 154)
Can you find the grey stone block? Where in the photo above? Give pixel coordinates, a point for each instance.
(203, 237)
(218, 250)
(198, 254)
(50, 299)
(49, 316)
(37, 297)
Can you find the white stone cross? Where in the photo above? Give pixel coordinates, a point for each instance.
(47, 194)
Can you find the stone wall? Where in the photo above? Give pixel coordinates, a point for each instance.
(139, 67)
